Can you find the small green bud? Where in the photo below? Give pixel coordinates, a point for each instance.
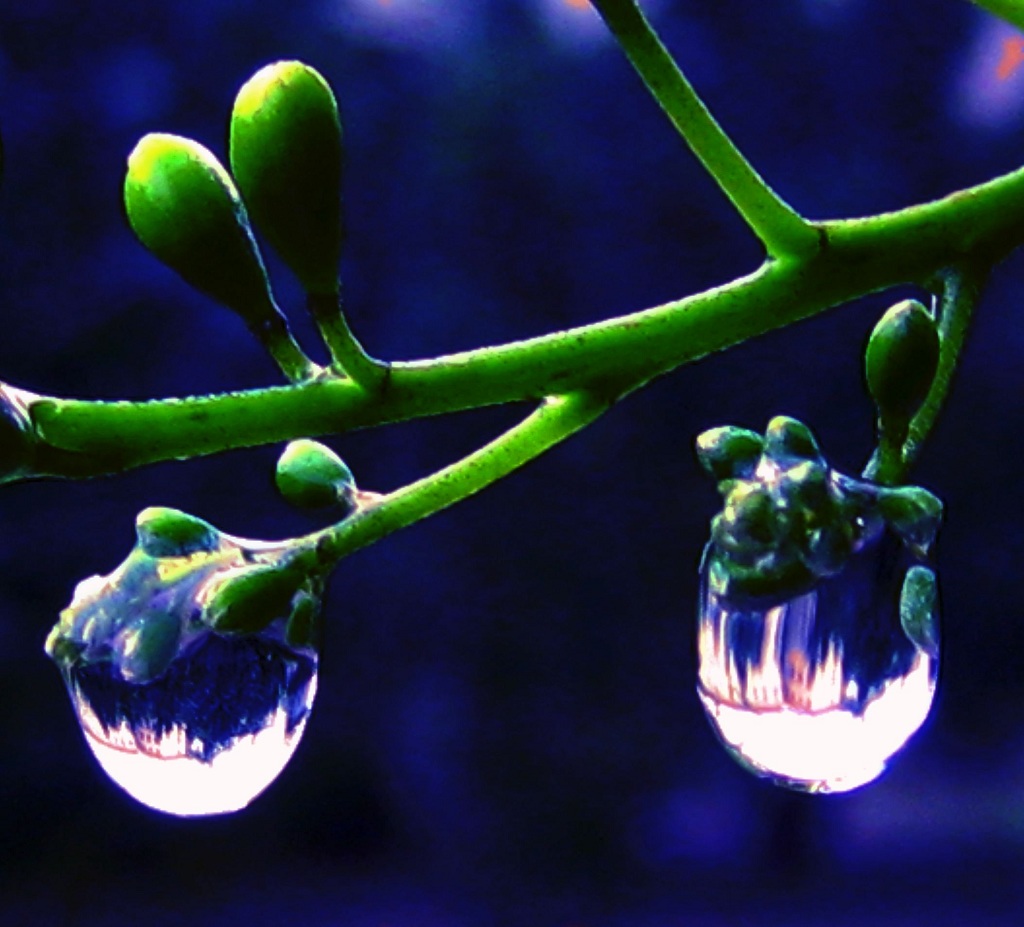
(250, 600)
(913, 512)
(301, 630)
(806, 486)
(286, 153)
(146, 647)
(184, 208)
(311, 476)
(728, 451)
(750, 515)
(164, 532)
(919, 609)
(787, 437)
(900, 360)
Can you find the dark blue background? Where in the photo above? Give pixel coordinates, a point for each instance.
(507, 731)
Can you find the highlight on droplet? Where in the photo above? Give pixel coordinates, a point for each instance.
(208, 736)
(818, 692)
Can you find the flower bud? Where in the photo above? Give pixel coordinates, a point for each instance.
(286, 153)
(311, 476)
(901, 359)
(913, 512)
(729, 451)
(163, 532)
(790, 439)
(184, 208)
(792, 520)
(145, 647)
(247, 602)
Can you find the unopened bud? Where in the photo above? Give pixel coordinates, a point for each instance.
(286, 153)
(311, 476)
(901, 359)
(183, 206)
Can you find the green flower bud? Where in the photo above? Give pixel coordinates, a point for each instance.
(787, 437)
(165, 532)
(286, 153)
(919, 609)
(805, 486)
(248, 601)
(901, 359)
(184, 208)
(311, 476)
(145, 648)
(751, 516)
(729, 451)
(913, 512)
(303, 623)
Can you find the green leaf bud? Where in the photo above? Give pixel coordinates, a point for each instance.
(251, 599)
(729, 452)
(286, 154)
(311, 476)
(164, 532)
(184, 208)
(901, 359)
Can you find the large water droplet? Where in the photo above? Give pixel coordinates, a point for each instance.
(207, 736)
(187, 711)
(817, 692)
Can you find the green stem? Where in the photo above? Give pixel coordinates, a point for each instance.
(73, 438)
(275, 335)
(960, 295)
(347, 354)
(782, 231)
(553, 421)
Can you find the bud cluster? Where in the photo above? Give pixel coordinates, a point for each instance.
(789, 519)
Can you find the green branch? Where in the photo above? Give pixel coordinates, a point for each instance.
(74, 438)
(347, 354)
(782, 231)
(961, 292)
(555, 419)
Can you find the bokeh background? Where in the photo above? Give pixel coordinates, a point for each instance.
(507, 730)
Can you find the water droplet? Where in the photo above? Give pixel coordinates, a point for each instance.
(818, 691)
(186, 717)
(207, 736)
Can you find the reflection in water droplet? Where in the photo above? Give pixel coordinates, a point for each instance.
(189, 712)
(819, 691)
(207, 736)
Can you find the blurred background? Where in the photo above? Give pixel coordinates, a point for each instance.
(507, 730)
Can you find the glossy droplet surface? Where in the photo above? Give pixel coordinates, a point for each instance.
(818, 691)
(190, 713)
(207, 736)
